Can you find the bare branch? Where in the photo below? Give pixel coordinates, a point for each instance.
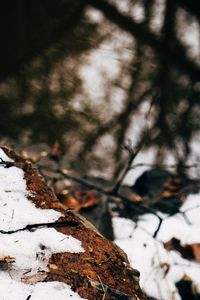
(132, 153)
(173, 166)
(139, 208)
(177, 56)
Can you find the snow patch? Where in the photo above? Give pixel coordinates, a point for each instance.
(16, 211)
(3, 156)
(10, 289)
(31, 250)
(161, 269)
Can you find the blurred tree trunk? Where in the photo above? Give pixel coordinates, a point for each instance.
(27, 27)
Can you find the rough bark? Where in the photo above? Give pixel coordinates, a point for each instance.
(103, 270)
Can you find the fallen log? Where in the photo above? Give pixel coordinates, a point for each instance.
(49, 252)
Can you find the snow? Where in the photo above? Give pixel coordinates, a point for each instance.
(161, 269)
(31, 250)
(16, 211)
(3, 156)
(42, 290)
(31, 242)
(144, 252)
(143, 156)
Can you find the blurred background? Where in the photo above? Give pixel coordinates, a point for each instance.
(84, 76)
(81, 81)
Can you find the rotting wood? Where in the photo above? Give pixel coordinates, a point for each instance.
(101, 259)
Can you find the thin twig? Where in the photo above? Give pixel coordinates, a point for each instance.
(139, 208)
(132, 153)
(173, 166)
(114, 192)
(104, 288)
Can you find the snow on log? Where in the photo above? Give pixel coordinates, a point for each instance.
(49, 253)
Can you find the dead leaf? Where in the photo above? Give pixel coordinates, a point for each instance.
(70, 202)
(196, 251)
(190, 251)
(167, 194)
(5, 262)
(7, 259)
(136, 198)
(78, 199)
(85, 198)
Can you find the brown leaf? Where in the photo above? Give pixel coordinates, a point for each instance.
(136, 198)
(5, 262)
(191, 251)
(7, 259)
(78, 199)
(70, 202)
(167, 194)
(196, 251)
(85, 198)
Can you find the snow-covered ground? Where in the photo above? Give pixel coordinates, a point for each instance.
(30, 251)
(161, 269)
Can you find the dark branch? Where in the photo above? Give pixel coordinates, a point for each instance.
(139, 208)
(177, 56)
(132, 153)
(32, 227)
(173, 166)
